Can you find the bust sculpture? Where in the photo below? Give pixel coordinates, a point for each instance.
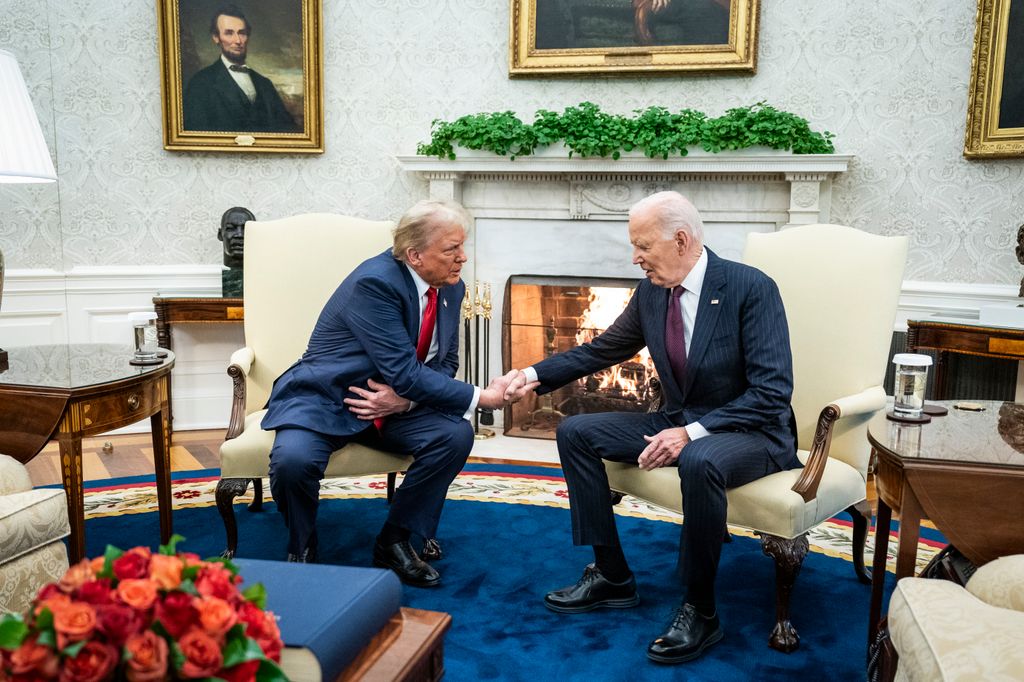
(232, 234)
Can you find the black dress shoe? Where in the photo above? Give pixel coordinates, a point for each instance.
(431, 550)
(686, 638)
(402, 559)
(593, 591)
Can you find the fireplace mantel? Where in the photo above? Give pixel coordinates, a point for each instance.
(600, 188)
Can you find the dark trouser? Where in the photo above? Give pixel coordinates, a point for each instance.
(707, 467)
(439, 445)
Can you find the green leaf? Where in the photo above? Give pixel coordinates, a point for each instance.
(12, 631)
(109, 556)
(170, 549)
(270, 672)
(177, 656)
(257, 594)
(240, 650)
(47, 638)
(188, 587)
(44, 621)
(71, 650)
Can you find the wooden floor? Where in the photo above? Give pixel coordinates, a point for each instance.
(132, 455)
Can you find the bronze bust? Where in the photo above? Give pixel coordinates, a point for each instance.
(232, 234)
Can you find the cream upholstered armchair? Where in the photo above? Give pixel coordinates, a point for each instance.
(840, 287)
(33, 524)
(292, 266)
(942, 631)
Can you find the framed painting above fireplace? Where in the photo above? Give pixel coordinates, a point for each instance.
(995, 106)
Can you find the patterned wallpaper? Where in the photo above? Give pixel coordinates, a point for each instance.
(889, 79)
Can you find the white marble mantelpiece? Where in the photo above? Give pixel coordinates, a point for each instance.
(560, 216)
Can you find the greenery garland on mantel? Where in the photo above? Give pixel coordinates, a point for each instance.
(587, 131)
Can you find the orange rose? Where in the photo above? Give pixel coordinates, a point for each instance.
(148, 660)
(216, 616)
(137, 593)
(203, 657)
(165, 571)
(74, 622)
(76, 576)
(216, 581)
(97, 564)
(55, 602)
(33, 657)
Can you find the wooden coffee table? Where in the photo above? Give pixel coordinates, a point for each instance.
(409, 648)
(67, 392)
(963, 471)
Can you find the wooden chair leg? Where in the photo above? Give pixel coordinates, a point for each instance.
(861, 515)
(392, 478)
(227, 490)
(257, 495)
(789, 557)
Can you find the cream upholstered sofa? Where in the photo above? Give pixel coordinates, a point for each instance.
(840, 287)
(292, 266)
(33, 524)
(942, 631)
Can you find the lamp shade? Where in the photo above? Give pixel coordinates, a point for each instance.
(23, 153)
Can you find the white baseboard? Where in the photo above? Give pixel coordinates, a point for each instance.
(90, 305)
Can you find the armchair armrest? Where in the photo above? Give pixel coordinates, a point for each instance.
(867, 401)
(238, 370)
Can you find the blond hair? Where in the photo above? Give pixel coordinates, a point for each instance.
(416, 228)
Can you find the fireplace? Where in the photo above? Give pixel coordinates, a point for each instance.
(545, 315)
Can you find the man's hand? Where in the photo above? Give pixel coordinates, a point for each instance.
(379, 401)
(663, 449)
(658, 5)
(519, 387)
(504, 390)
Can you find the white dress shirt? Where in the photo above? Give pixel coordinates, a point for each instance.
(689, 301)
(421, 289)
(243, 78)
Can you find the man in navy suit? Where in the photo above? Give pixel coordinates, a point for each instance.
(379, 370)
(717, 334)
(228, 95)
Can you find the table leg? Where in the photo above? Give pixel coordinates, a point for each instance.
(70, 439)
(882, 524)
(160, 426)
(910, 531)
(941, 365)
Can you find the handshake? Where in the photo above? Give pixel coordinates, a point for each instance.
(505, 390)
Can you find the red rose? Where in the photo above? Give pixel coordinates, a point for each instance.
(216, 581)
(95, 662)
(148, 661)
(132, 564)
(118, 622)
(253, 617)
(95, 592)
(47, 591)
(203, 657)
(176, 613)
(31, 657)
(262, 627)
(243, 672)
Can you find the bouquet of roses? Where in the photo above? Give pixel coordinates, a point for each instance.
(141, 616)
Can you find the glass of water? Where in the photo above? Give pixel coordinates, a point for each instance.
(911, 381)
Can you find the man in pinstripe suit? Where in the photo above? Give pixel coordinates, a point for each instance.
(717, 333)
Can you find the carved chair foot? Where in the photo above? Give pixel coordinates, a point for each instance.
(788, 554)
(616, 497)
(861, 515)
(257, 495)
(227, 490)
(784, 638)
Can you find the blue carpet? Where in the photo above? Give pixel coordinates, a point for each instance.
(501, 558)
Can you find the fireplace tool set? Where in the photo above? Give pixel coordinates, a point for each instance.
(474, 311)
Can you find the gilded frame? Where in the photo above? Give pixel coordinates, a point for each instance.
(733, 47)
(185, 45)
(995, 112)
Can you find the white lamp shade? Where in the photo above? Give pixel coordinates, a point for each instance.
(23, 153)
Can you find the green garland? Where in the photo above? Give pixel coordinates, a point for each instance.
(588, 131)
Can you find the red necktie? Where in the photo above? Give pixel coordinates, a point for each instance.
(675, 336)
(426, 335)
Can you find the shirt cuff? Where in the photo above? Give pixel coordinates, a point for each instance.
(531, 374)
(412, 406)
(472, 405)
(695, 431)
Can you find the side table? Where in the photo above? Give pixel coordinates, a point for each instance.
(68, 392)
(173, 310)
(965, 338)
(963, 471)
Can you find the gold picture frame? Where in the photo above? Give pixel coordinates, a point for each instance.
(611, 37)
(995, 105)
(271, 100)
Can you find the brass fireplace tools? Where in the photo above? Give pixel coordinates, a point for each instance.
(474, 310)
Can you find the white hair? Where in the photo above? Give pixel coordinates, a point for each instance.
(673, 212)
(416, 228)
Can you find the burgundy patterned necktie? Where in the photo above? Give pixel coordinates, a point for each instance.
(675, 336)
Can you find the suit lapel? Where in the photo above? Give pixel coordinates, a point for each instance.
(707, 318)
(412, 307)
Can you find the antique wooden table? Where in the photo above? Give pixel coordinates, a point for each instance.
(67, 392)
(172, 310)
(963, 471)
(966, 338)
(410, 648)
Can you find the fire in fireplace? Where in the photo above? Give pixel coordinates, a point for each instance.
(547, 315)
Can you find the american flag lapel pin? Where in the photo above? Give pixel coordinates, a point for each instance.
(444, 302)
(714, 301)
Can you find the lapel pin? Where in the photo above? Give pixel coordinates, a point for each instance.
(714, 301)
(444, 302)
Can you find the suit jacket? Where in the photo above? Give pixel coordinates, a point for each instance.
(368, 330)
(739, 370)
(213, 101)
